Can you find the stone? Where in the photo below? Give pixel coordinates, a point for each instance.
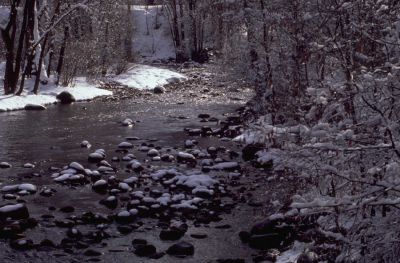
(14, 211)
(85, 144)
(92, 253)
(267, 241)
(100, 186)
(67, 209)
(22, 244)
(203, 116)
(153, 153)
(159, 90)
(199, 236)
(145, 250)
(125, 145)
(171, 234)
(181, 249)
(250, 150)
(111, 202)
(125, 217)
(5, 165)
(77, 166)
(34, 107)
(29, 166)
(95, 157)
(66, 98)
(124, 229)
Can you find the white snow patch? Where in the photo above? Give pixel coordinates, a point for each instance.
(292, 254)
(81, 90)
(152, 38)
(147, 77)
(4, 16)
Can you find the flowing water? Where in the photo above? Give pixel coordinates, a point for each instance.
(52, 138)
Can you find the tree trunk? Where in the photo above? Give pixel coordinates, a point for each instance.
(40, 65)
(62, 54)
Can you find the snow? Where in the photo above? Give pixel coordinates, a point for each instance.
(141, 77)
(225, 166)
(292, 254)
(151, 43)
(193, 181)
(19, 187)
(10, 208)
(188, 204)
(81, 90)
(147, 77)
(4, 16)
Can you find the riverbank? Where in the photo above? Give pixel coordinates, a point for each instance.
(139, 77)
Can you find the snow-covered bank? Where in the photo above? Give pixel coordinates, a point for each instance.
(147, 77)
(138, 76)
(81, 90)
(153, 40)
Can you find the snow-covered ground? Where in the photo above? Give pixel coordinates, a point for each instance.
(81, 90)
(147, 77)
(152, 41)
(152, 38)
(138, 76)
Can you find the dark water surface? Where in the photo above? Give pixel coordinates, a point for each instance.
(52, 138)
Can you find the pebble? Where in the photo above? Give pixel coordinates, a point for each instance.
(5, 165)
(181, 249)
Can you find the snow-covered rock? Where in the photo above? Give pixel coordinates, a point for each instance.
(17, 211)
(125, 145)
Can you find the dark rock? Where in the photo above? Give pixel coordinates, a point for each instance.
(146, 250)
(16, 211)
(181, 249)
(157, 255)
(67, 209)
(100, 186)
(4, 165)
(124, 229)
(244, 236)
(203, 116)
(159, 90)
(125, 217)
(199, 236)
(28, 223)
(92, 253)
(233, 120)
(34, 107)
(95, 157)
(250, 150)
(267, 241)
(194, 132)
(64, 223)
(22, 244)
(173, 233)
(65, 97)
(110, 202)
(125, 145)
(205, 130)
(85, 144)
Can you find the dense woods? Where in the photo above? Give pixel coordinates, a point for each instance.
(43, 38)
